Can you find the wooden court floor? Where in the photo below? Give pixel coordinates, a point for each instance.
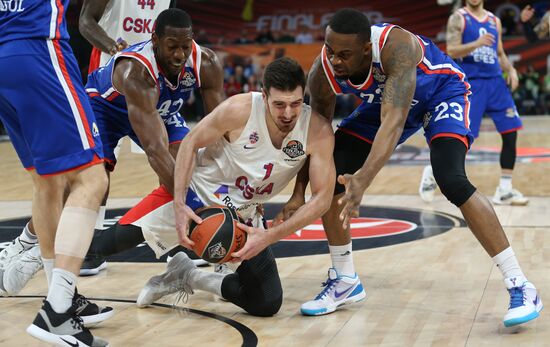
(438, 291)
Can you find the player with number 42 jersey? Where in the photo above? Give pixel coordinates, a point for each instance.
(110, 105)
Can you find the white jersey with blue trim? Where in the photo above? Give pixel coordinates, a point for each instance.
(436, 74)
(483, 61)
(171, 97)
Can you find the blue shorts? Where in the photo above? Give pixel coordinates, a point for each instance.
(443, 116)
(114, 124)
(45, 108)
(491, 96)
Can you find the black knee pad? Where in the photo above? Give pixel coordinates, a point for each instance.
(508, 152)
(350, 153)
(447, 156)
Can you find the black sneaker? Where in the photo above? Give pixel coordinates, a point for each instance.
(92, 265)
(90, 313)
(62, 329)
(194, 257)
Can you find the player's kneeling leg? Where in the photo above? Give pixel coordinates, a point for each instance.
(255, 286)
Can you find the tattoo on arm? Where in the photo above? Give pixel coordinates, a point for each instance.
(323, 98)
(454, 29)
(401, 82)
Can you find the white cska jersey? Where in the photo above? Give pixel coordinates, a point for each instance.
(250, 171)
(131, 20)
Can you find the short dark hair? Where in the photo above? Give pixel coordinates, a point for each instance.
(173, 17)
(350, 21)
(284, 74)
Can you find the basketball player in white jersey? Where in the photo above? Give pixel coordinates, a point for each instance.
(111, 25)
(245, 152)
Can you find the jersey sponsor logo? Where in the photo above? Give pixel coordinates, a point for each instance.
(188, 79)
(11, 6)
(294, 149)
(138, 25)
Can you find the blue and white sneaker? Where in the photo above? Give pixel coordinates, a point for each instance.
(525, 303)
(337, 291)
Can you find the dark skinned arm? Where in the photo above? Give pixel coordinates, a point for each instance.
(211, 80)
(91, 13)
(399, 58)
(133, 80)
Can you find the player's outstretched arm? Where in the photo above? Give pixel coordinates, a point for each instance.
(399, 59)
(455, 47)
(229, 117)
(320, 146)
(133, 80)
(211, 80)
(91, 13)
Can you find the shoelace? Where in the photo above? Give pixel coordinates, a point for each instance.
(76, 323)
(517, 297)
(183, 290)
(329, 284)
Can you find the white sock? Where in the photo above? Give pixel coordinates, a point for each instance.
(27, 238)
(342, 260)
(48, 267)
(506, 182)
(508, 264)
(61, 292)
(208, 281)
(100, 217)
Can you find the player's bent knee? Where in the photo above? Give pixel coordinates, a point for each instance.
(447, 157)
(266, 308)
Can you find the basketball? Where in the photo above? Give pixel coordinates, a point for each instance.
(218, 236)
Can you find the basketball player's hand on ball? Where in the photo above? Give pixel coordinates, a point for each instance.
(256, 241)
(293, 204)
(352, 197)
(184, 215)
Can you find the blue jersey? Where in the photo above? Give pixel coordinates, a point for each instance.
(171, 97)
(33, 19)
(483, 61)
(438, 79)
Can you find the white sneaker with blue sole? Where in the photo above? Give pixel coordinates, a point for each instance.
(525, 303)
(337, 291)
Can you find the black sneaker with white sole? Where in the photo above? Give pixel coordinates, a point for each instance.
(62, 329)
(90, 313)
(92, 265)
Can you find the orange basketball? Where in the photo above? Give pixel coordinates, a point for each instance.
(218, 235)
